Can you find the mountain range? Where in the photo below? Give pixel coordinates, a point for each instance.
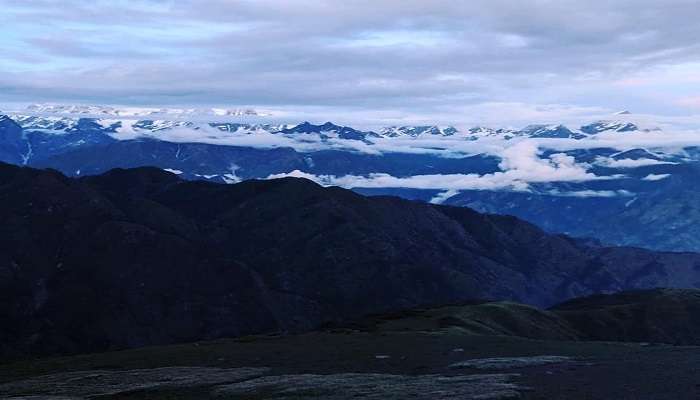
(633, 183)
(140, 257)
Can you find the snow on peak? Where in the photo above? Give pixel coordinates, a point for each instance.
(609, 126)
(114, 111)
(416, 131)
(52, 123)
(550, 132)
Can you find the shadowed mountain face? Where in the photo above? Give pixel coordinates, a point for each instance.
(669, 316)
(139, 257)
(12, 144)
(662, 316)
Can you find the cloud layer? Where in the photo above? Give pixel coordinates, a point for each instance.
(521, 165)
(401, 60)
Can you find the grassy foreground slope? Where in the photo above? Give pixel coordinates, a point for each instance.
(404, 353)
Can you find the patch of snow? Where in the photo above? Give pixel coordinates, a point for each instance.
(28, 155)
(232, 177)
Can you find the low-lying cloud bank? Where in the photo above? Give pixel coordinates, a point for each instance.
(521, 165)
(452, 146)
(522, 158)
(629, 162)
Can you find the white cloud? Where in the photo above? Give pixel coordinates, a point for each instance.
(593, 193)
(629, 162)
(444, 196)
(655, 177)
(522, 162)
(408, 58)
(673, 140)
(521, 165)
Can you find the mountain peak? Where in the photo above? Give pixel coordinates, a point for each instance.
(609, 126)
(330, 126)
(549, 131)
(8, 123)
(117, 111)
(328, 130)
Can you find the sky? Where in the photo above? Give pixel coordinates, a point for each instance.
(491, 62)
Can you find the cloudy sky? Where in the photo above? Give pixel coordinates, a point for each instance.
(490, 61)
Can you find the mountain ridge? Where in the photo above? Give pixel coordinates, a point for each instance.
(609, 186)
(140, 257)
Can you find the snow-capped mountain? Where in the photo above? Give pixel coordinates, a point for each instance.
(609, 126)
(550, 131)
(481, 132)
(594, 165)
(415, 131)
(47, 122)
(250, 128)
(134, 122)
(329, 130)
(91, 110)
(43, 137)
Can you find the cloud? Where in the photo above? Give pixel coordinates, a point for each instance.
(407, 58)
(444, 196)
(655, 177)
(678, 134)
(690, 102)
(521, 165)
(521, 162)
(629, 162)
(592, 193)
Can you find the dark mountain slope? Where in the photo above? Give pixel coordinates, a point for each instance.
(662, 316)
(138, 257)
(13, 147)
(670, 316)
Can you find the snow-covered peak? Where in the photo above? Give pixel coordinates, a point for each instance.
(52, 123)
(479, 132)
(69, 109)
(416, 131)
(160, 124)
(7, 121)
(328, 130)
(609, 126)
(550, 131)
(112, 111)
(250, 128)
(627, 122)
